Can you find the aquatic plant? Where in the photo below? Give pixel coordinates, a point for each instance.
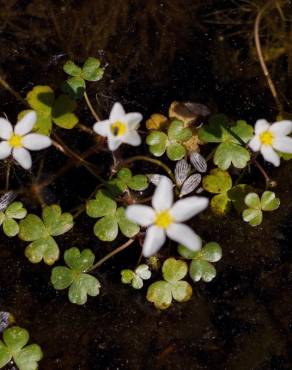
(141, 207)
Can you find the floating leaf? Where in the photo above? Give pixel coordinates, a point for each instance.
(72, 69)
(220, 204)
(162, 292)
(75, 276)
(135, 278)
(237, 196)
(269, 202)
(229, 153)
(253, 216)
(217, 182)
(125, 180)
(91, 70)
(15, 211)
(14, 347)
(157, 142)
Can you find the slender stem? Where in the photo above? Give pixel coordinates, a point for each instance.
(84, 128)
(151, 160)
(7, 87)
(260, 54)
(111, 254)
(93, 112)
(269, 181)
(8, 170)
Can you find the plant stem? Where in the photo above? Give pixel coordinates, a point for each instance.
(111, 254)
(151, 160)
(93, 112)
(7, 87)
(84, 128)
(8, 170)
(261, 57)
(269, 181)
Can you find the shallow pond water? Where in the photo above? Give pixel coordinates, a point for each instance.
(157, 52)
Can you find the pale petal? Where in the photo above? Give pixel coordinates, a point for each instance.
(255, 143)
(132, 138)
(270, 155)
(186, 208)
(261, 126)
(133, 120)
(22, 156)
(117, 112)
(184, 235)
(36, 141)
(25, 125)
(281, 127)
(6, 129)
(113, 143)
(283, 144)
(102, 127)
(142, 215)
(155, 238)
(5, 150)
(163, 195)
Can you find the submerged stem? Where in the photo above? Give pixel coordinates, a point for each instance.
(111, 254)
(93, 112)
(151, 160)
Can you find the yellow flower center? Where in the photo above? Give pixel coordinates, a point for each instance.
(118, 128)
(267, 138)
(15, 141)
(163, 219)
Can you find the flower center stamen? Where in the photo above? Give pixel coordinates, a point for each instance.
(163, 219)
(267, 138)
(15, 141)
(118, 128)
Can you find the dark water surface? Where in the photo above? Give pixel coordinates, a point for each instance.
(157, 52)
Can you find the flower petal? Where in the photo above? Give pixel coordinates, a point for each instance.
(281, 127)
(102, 127)
(22, 156)
(133, 120)
(186, 208)
(117, 112)
(255, 143)
(132, 138)
(163, 195)
(25, 125)
(270, 155)
(155, 238)
(142, 215)
(184, 235)
(113, 143)
(36, 141)
(261, 126)
(6, 129)
(283, 144)
(5, 149)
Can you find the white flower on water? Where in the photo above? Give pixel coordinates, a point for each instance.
(120, 128)
(270, 138)
(19, 141)
(165, 218)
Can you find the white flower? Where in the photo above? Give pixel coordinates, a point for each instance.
(16, 141)
(120, 128)
(165, 218)
(271, 138)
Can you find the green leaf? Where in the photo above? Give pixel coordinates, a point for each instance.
(143, 271)
(41, 99)
(214, 131)
(228, 153)
(157, 142)
(243, 131)
(127, 227)
(106, 229)
(80, 284)
(174, 270)
(91, 70)
(237, 196)
(56, 222)
(252, 200)
(175, 151)
(79, 261)
(181, 291)
(127, 276)
(10, 227)
(62, 114)
(125, 174)
(217, 182)
(176, 131)
(220, 204)
(186, 252)
(201, 269)
(72, 69)
(253, 216)
(2, 217)
(43, 249)
(74, 87)
(15, 339)
(115, 187)
(16, 210)
(137, 282)
(102, 205)
(269, 202)
(32, 228)
(160, 294)
(138, 183)
(211, 252)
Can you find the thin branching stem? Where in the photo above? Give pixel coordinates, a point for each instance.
(93, 112)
